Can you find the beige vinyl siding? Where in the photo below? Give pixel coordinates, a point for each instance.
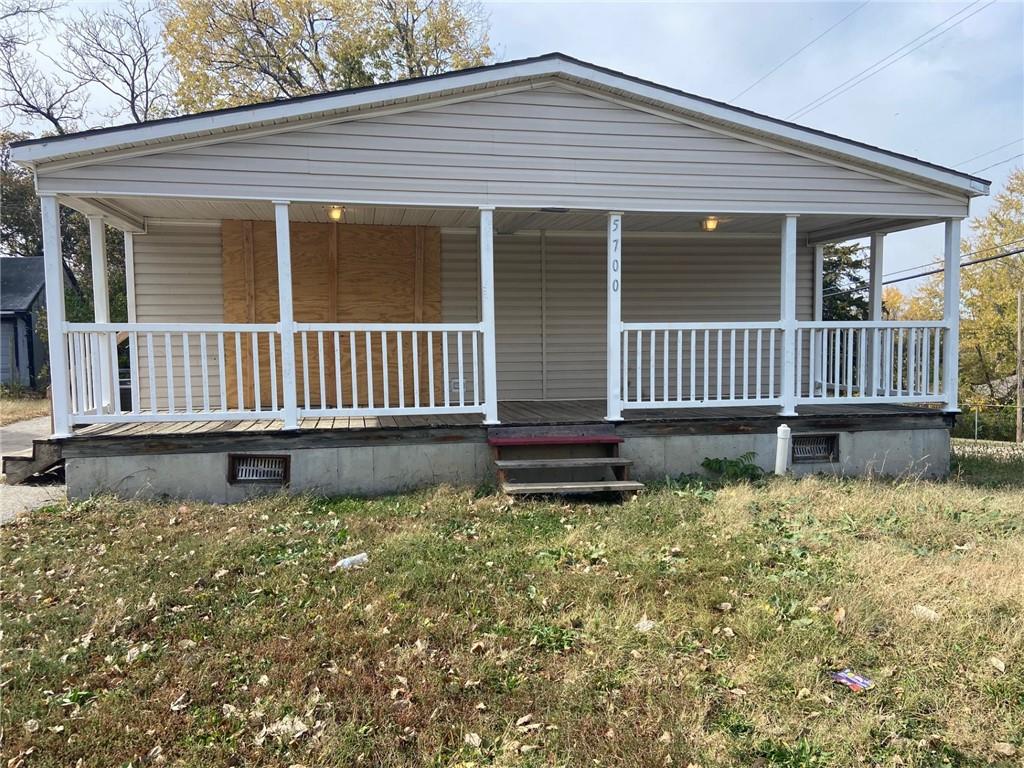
(547, 146)
(178, 275)
(178, 279)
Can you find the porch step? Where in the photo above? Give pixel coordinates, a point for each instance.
(567, 463)
(596, 486)
(554, 434)
(560, 459)
(19, 467)
(500, 442)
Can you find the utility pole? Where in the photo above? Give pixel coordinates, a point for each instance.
(1020, 365)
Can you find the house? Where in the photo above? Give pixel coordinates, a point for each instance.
(585, 272)
(22, 353)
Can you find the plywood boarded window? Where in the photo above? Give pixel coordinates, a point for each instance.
(341, 273)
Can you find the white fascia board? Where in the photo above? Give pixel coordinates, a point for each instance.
(224, 122)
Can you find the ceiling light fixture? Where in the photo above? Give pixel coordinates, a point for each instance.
(336, 212)
(710, 224)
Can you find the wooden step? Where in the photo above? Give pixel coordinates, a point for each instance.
(588, 486)
(506, 442)
(19, 467)
(568, 463)
(553, 434)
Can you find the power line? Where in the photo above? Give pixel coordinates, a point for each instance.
(963, 256)
(1019, 154)
(995, 149)
(926, 274)
(854, 81)
(781, 64)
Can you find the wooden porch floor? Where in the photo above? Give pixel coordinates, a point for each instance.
(510, 413)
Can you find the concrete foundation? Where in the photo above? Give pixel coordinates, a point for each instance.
(375, 470)
(918, 452)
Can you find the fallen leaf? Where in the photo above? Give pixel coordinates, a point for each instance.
(524, 719)
(803, 693)
(725, 607)
(473, 739)
(1004, 748)
(31, 726)
(839, 616)
(180, 703)
(998, 664)
(665, 738)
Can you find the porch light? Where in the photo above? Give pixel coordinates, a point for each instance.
(710, 224)
(336, 212)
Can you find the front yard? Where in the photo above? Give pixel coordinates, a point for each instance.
(689, 626)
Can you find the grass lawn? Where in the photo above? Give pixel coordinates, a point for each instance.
(20, 407)
(689, 626)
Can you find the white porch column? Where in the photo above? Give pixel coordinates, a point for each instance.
(129, 274)
(487, 314)
(613, 364)
(815, 376)
(53, 266)
(876, 259)
(951, 315)
(104, 366)
(98, 251)
(819, 283)
(787, 304)
(284, 297)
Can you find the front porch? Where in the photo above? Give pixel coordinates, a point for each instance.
(645, 316)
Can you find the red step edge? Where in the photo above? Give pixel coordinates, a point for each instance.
(500, 442)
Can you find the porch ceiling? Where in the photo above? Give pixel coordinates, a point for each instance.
(811, 227)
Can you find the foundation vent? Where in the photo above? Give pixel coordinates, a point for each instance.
(258, 468)
(814, 449)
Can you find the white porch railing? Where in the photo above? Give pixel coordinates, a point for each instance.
(177, 372)
(389, 369)
(882, 362)
(693, 365)
(227, 371)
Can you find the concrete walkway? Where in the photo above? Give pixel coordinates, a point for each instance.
(16, 500)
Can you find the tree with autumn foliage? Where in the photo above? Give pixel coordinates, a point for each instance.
(988, 299)
(234, 52)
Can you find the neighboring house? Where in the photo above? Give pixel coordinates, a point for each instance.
(22, 353)
(358, 291)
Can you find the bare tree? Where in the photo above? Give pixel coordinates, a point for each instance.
(17, 18)
(26, 91)
(120, 49)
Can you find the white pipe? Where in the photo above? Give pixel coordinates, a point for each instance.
(783, 449)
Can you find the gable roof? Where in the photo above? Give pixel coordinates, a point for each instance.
(21, 280)
(157, 133)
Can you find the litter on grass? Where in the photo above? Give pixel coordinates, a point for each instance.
(348, 563)
(852, 680)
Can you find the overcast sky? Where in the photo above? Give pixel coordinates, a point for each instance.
(953, 98)
(957, 96)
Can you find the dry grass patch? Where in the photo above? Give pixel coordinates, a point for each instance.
(691, 625)
(20, 407)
